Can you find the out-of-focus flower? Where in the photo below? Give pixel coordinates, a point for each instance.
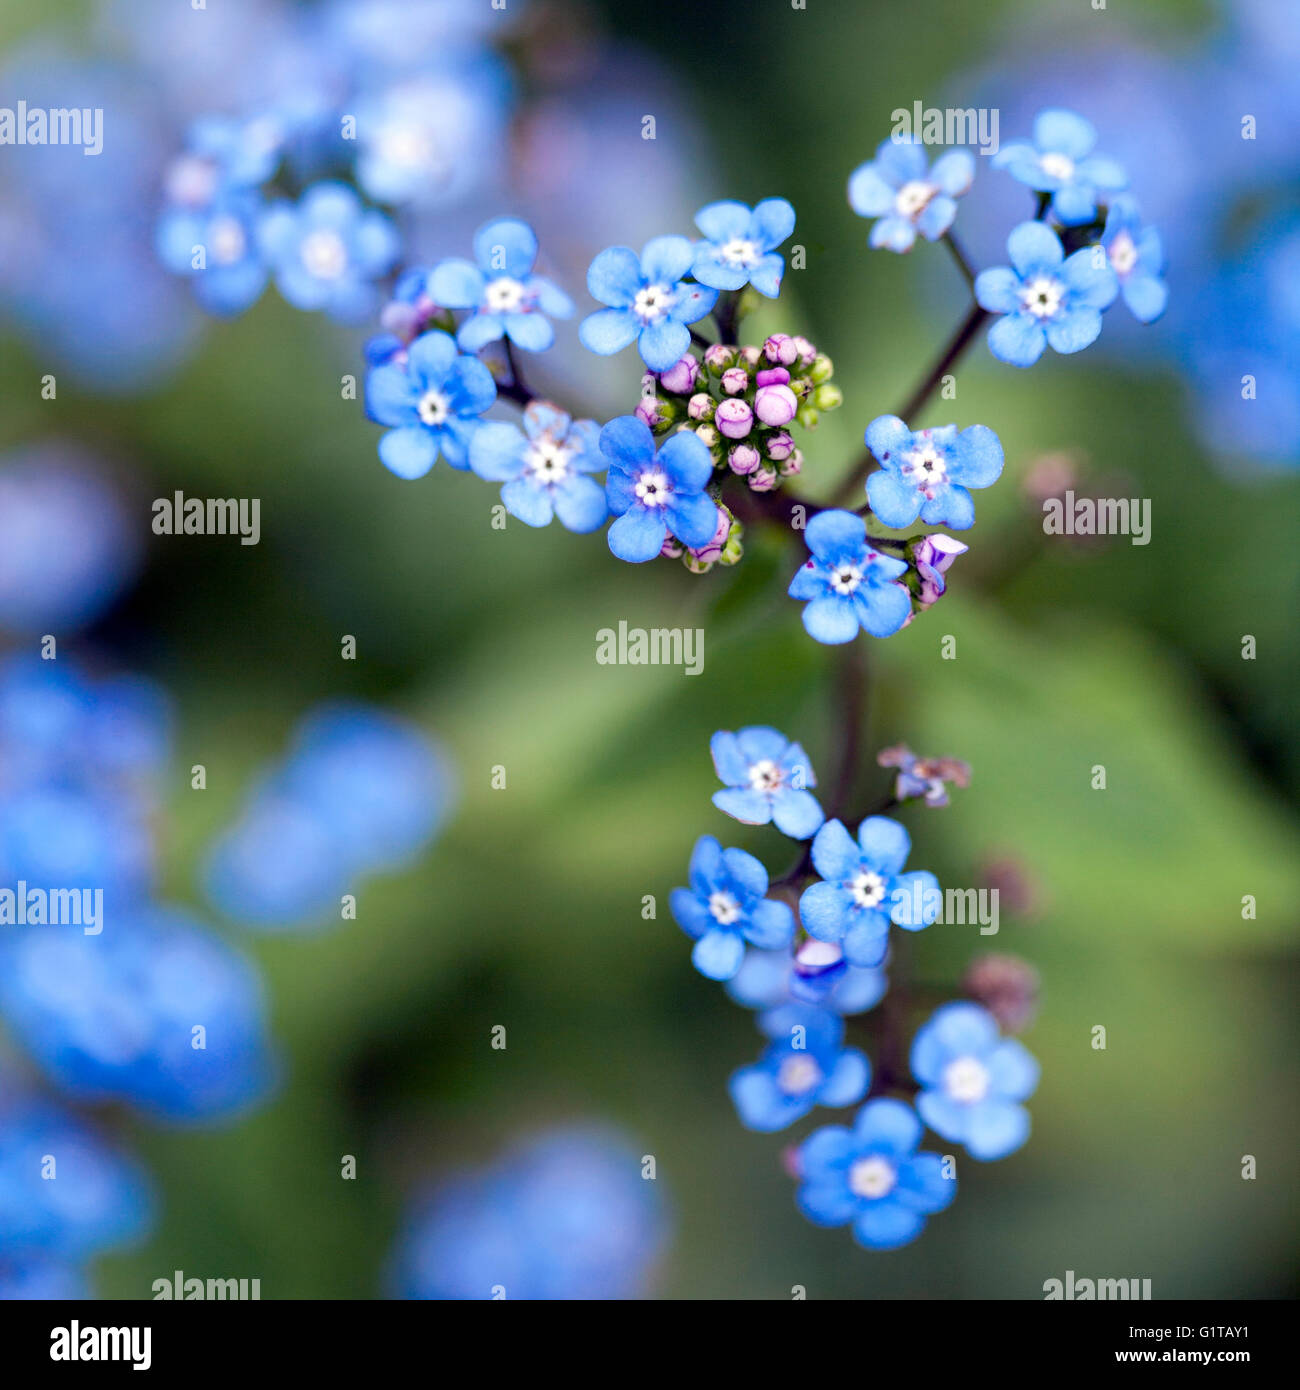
(846, 584)
(872, 1176)
(897, 188)
(546, 467)
(1044, 297)
(739, 246)
(767, 779)
(1137, 260)
(929, 473)
(927, 777)
(507, 299)
(567, 1215)
(973, 1081)
(1006, 986)
(1060, 161)
(813, 973)
(216, 246)
(727, 906)
(806, 1065)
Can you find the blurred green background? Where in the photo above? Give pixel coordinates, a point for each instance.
(527, 912)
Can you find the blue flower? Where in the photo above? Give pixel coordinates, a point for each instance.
(650, 302)
(432, 401)
(1059, 161)
(806, 1065)
(1044, 297)
(1137, 259)
(506, 297)
(864, 888)
(896, 188)
(847, 584)
(654, 495)
(545, 467)
(224, 152)
(725, 906)
(740, 245)
(224, 233)
(972, 1080)
(871, 1175)
(766, 779)
(927, 473)
(816, 973)
(328, 251)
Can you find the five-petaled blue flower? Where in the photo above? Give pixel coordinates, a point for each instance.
(927, 473)
(546, 467)
(767, 779)
(432, 401)
(864, 888)
(1059, 161)
(506, 297)
(806, 1065)
(740, 246)
(973, 1080)
(725, 906)
(1043, 297)
(231, 274)
(896, 188)
(871, 1175)
(848, 585)
(650, 301)
(653, 494)
(1137, 260)
(328, 251)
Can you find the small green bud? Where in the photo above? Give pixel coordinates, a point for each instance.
(828, 396)
(822, 369)
(808, 416)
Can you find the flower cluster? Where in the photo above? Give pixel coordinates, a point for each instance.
(807, 971)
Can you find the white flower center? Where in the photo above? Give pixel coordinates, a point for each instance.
(547, 460)
(845, 578)
(765, 775)
(1042, 297)
(966, 1080)
(927, 468)
(1123, 254)
(407, 145)
(724, 908)
(503, 296)
(227, 240)
(433, 408)
(1056, 166)
(797, 1075)
(192, 180)
(324, 255)
(872, 1177)
(913, 198)
(868, 889)
(652, 303)
(652, 489)
(740, 252)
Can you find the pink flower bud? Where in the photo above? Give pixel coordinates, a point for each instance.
(763, 479)
(805, 350)
(700, 406)
(735, 380)
(400, 319)
(650, 410)
(781, 348)
(773, 376)
(780, 447)
(744, 458)
(672, 548)
(749, 356)
(719, 357)
(775, 405)
(734, 418)
(792, 466)
(710, 552)
(680, 377)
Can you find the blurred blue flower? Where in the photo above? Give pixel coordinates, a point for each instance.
(814, 973)
(36, 1278)
(864, 889)
(507, 299)
(655, 495)
(328, 250)
(155, 1011)
(807, 1065)
(568, 1215)
(872, 1175)
(1059, 161)
(216, 246)
(1044, 297)
(650, 301)
(432, 401)
(766, 779)
(929, 473)
(1137, 260)
(739, 248)
(546, 467)
(973, 1080)
(361, 792)
(907, 197)
(846, 584)
(726, 906)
